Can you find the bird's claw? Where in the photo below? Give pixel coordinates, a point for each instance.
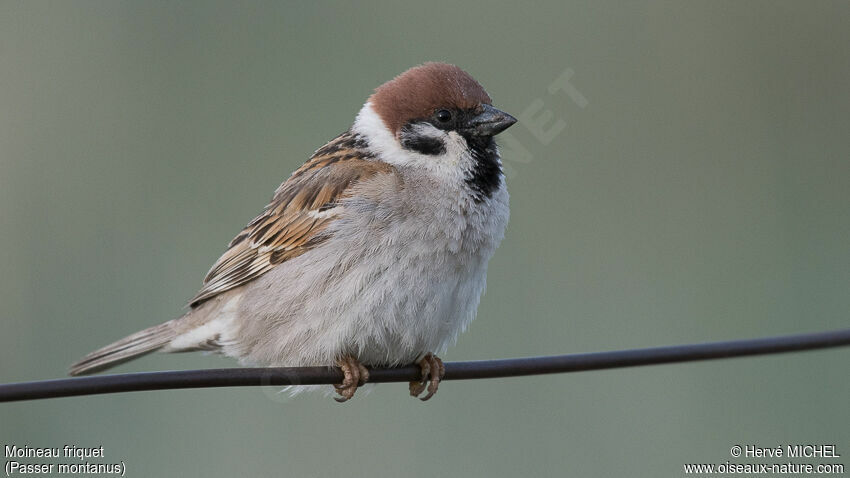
(432, 372)
(355, 375)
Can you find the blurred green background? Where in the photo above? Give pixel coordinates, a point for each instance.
(702, 192)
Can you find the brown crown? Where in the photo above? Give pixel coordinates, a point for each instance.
(421, 90)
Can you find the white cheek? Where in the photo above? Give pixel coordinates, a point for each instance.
(456, 147)
(450, 164)
(454, 143)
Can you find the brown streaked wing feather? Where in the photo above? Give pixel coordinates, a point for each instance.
(286, 228)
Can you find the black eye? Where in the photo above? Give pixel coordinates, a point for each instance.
(444, 116)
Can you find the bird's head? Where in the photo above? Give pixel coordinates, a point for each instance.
(435, 116)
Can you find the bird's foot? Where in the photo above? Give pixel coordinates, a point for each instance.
(355, 375)
(432, 372)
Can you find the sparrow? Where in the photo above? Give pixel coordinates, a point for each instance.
(372, 253)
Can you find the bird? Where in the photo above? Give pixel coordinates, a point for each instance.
(372, 253)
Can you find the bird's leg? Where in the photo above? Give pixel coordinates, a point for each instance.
(432, 372)
(355, 375)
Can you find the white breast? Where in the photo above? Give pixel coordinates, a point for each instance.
(390, 285)
(401, 275)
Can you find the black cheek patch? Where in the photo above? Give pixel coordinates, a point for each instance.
(421, 144)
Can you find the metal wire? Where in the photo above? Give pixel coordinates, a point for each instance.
(247, 377)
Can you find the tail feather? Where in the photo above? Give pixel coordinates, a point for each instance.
(128, 348)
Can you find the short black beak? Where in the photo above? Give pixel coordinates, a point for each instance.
(490, 122)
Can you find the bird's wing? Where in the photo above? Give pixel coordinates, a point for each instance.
(292, 224)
